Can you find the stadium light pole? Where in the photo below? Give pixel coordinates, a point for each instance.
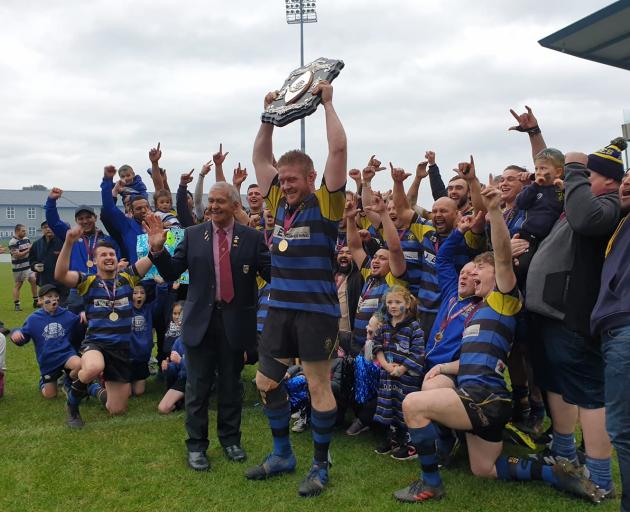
(301, 11)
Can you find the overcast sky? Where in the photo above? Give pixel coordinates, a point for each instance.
(89, 83)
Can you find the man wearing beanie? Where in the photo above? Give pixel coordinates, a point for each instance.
(611, 321)
(562, 287)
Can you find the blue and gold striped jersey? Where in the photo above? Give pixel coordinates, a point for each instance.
(302, 274)
(263, 303)
(487, 341)
(99, 304)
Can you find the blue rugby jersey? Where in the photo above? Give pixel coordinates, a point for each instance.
(369, 302)
(142, 331)
(52, 335)
(487, 341)
(302, 277)
(99, 305)
(454, 310)
(264, 288)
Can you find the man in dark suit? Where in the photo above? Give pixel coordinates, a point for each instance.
(219, 323)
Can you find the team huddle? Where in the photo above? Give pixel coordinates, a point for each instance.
(480, 319)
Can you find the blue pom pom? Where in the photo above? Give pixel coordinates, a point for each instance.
(298, 391)
(366, 377)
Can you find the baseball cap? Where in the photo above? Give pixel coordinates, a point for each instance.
(83, 208)
(47, 288)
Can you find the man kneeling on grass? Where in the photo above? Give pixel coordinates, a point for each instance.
(108, 303)
(480, 403)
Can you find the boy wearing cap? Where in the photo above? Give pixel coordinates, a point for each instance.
(562, 288)
(108, 307)
(82, 255)
(51, 328)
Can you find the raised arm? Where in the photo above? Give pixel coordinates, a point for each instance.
(336, 163)
(373, 166)
(352, 233)
(198, 195)
(156, 173)
(466, 171)
(218, 158)
(412, 193)
(110, 213)
(239, 176)
(397, 263)
(55, 223)
(528, 123)
(403, 210)
(263, 152)
(63, 274)
(438, 189)
(503, 270)
(181, 200)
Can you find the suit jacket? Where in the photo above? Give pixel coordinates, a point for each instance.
(249, 255)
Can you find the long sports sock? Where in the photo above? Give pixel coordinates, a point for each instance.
(423, 439)
(322, 425)
(513, 468)
(279, 423)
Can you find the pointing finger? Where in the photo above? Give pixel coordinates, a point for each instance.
(158, 146)
(514, 114)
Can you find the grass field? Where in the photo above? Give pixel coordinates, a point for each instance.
(137, 462)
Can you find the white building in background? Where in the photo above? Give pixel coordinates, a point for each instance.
(27, 207)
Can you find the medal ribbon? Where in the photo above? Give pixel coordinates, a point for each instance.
(111, 297)
(288, 221)
(86, 242)
(449, 317)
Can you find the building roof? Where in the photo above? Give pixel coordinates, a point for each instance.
(603, 36)
(69, 199)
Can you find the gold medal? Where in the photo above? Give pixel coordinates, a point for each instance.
(113, 316)
(438, 336)
(89, 263)
(283, 245)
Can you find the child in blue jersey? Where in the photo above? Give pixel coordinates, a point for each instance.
(108, 306)
(142, 337)
(52, 329)
(174, 367)
(399, 349)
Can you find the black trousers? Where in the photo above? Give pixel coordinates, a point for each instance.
(214, 352)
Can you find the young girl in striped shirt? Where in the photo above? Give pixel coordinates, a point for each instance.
(399, 349)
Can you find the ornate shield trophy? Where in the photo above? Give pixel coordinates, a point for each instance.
(295, 101)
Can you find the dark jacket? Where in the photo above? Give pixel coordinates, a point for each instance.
(184, 214)
(438, 189)
(542, 206)
(353, 289)
(46, 253)
(249, 255)
(613, 304)
(564, 275)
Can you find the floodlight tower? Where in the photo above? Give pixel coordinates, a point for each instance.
(301, 11)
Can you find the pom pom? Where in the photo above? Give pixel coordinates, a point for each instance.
(620, 142)
(366, 377)
(298, 391)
